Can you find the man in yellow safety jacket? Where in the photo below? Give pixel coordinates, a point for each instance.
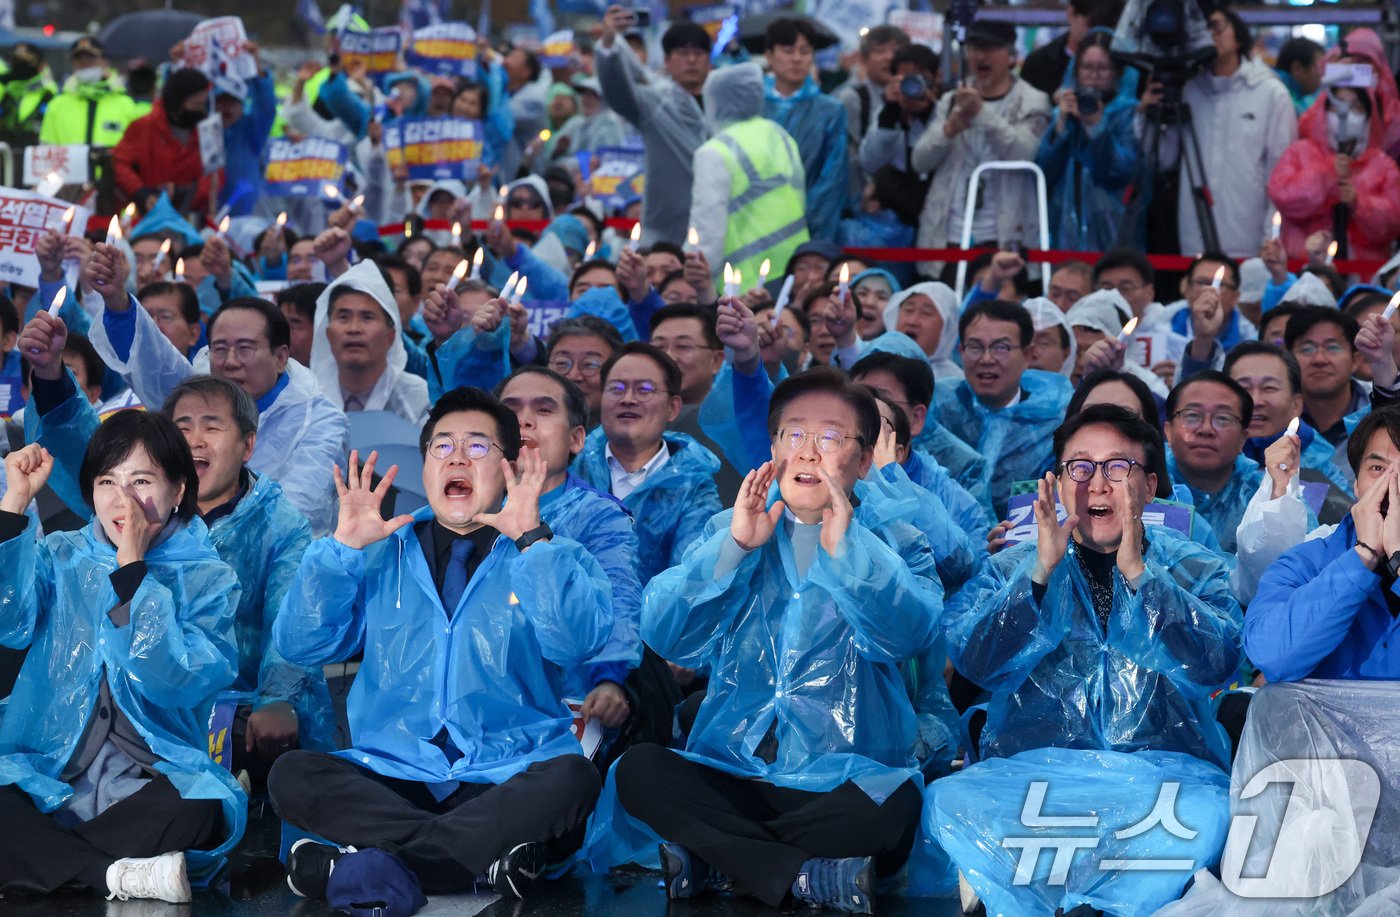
(93, 107)
(749, 199)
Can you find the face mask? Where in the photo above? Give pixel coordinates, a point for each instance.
(89, 74)
(23, 70)
(187, 119)
(1348, 127)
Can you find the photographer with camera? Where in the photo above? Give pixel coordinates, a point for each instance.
(995, 116)
(1090, 153)
(909, 99)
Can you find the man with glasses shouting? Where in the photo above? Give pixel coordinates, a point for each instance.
(1101, 641)
(1001, 408)
(1207, 417)
(300, 433)
(463, 767)
(797, 783)
(666, 479)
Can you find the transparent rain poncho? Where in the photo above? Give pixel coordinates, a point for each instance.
(164, 667)
(490, 672)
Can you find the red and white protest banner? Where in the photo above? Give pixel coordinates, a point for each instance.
(24, 216)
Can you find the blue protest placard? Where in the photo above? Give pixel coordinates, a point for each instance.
(446, 49)
(545, 314)
(303, 169)
(618, 176)
(377, 50)
(435, 148)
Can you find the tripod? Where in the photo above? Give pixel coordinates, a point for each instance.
(1172, 111)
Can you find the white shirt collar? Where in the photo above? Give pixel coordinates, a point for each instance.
(624, 482)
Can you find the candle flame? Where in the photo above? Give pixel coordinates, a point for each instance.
(224, 225)
(282, 218)
(358, 202)
(728, 274)
(636, 232)
(845, 273)
(500, 213)
(478, 257)
(69, 214)
(114, 231)
(738, 278)
(457, 232)
(58, 300)
(459, 271)
(765, 267)
(692, 237)
(130, 210)
(1332, 250)
(545, 135)
(165, 247)
(1293, 426)
(407, 229)
(331, 191)
(1278, 219)
(520, 290)
(1219, 277)
(179, 267)
(1131, 326)
(589, 251)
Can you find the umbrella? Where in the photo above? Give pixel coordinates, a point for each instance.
(752, 29)
(148, 33)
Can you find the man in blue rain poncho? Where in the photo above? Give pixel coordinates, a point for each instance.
(251, 524)
(553, 413)
(1101, 643)
(1325, 609)
(798, 781)
(463, 763)
(666, 479)
(300, 433)
(1207, 418)
(1003, 409)
(105, 775)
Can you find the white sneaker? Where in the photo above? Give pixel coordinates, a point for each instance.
(159, 878)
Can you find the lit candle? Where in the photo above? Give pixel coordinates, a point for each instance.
(545, 135)
(500, 214)
(457, 234)
(510, 285)
(477, 258)
(331, 191)
(282, 220)
(763, 270)
(783, 296)
(1219, 278)
(1390, 308)
(179, 270)
(1278, 225)
(68, 216)
(1293, 427)
(50, 185)
(223, 227)
(636, 238)
(58, 301)
(520, 290)
(114, 231)
(161, 255)
(407, 229)
(1331, 251)
(692, 241)
(729, 288)
(845, 277)
(459, 272)
(1128, 330)
(357, 203)
(589, 252)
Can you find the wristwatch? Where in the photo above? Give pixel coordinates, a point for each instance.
(1393, 565)
(541, 532)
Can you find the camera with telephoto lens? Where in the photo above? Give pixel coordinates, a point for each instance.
(1168, 39)
(913, 86)
(1089, 101)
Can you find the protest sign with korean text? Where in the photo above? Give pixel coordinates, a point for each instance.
(435, 148)
(618, 176)
(228, 34)
(922, 28)
(558, 50)
(303, 169)
(378, 51)
(446, 49)
(24, 216)
(69, 163)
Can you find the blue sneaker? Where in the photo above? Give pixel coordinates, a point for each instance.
(686, 875)
(846, 884)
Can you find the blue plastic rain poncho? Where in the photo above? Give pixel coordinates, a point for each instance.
(817, 122)
(671, 506)
(926, 471)
(262, 540)
(300, 434)
(163, 667)
(1225, 508)
(808, 658)
(984, 818)
(489, 672)
(1014, 440)
(1059, 677)
(603, 526)
(470, 357)
(1317, 454)
(604, 303)
(163, 219)
(1088, 170)
(1320, 613)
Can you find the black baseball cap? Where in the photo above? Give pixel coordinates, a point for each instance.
(990, 32)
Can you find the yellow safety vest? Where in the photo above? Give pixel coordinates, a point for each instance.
(767, 202)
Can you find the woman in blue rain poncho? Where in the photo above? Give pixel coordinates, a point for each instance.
(1090, 151)
(105, 778)
(1101, 643)
(803, 616)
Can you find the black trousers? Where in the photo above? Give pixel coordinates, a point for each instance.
(758, 834)
(38, 856)
(447, 844)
